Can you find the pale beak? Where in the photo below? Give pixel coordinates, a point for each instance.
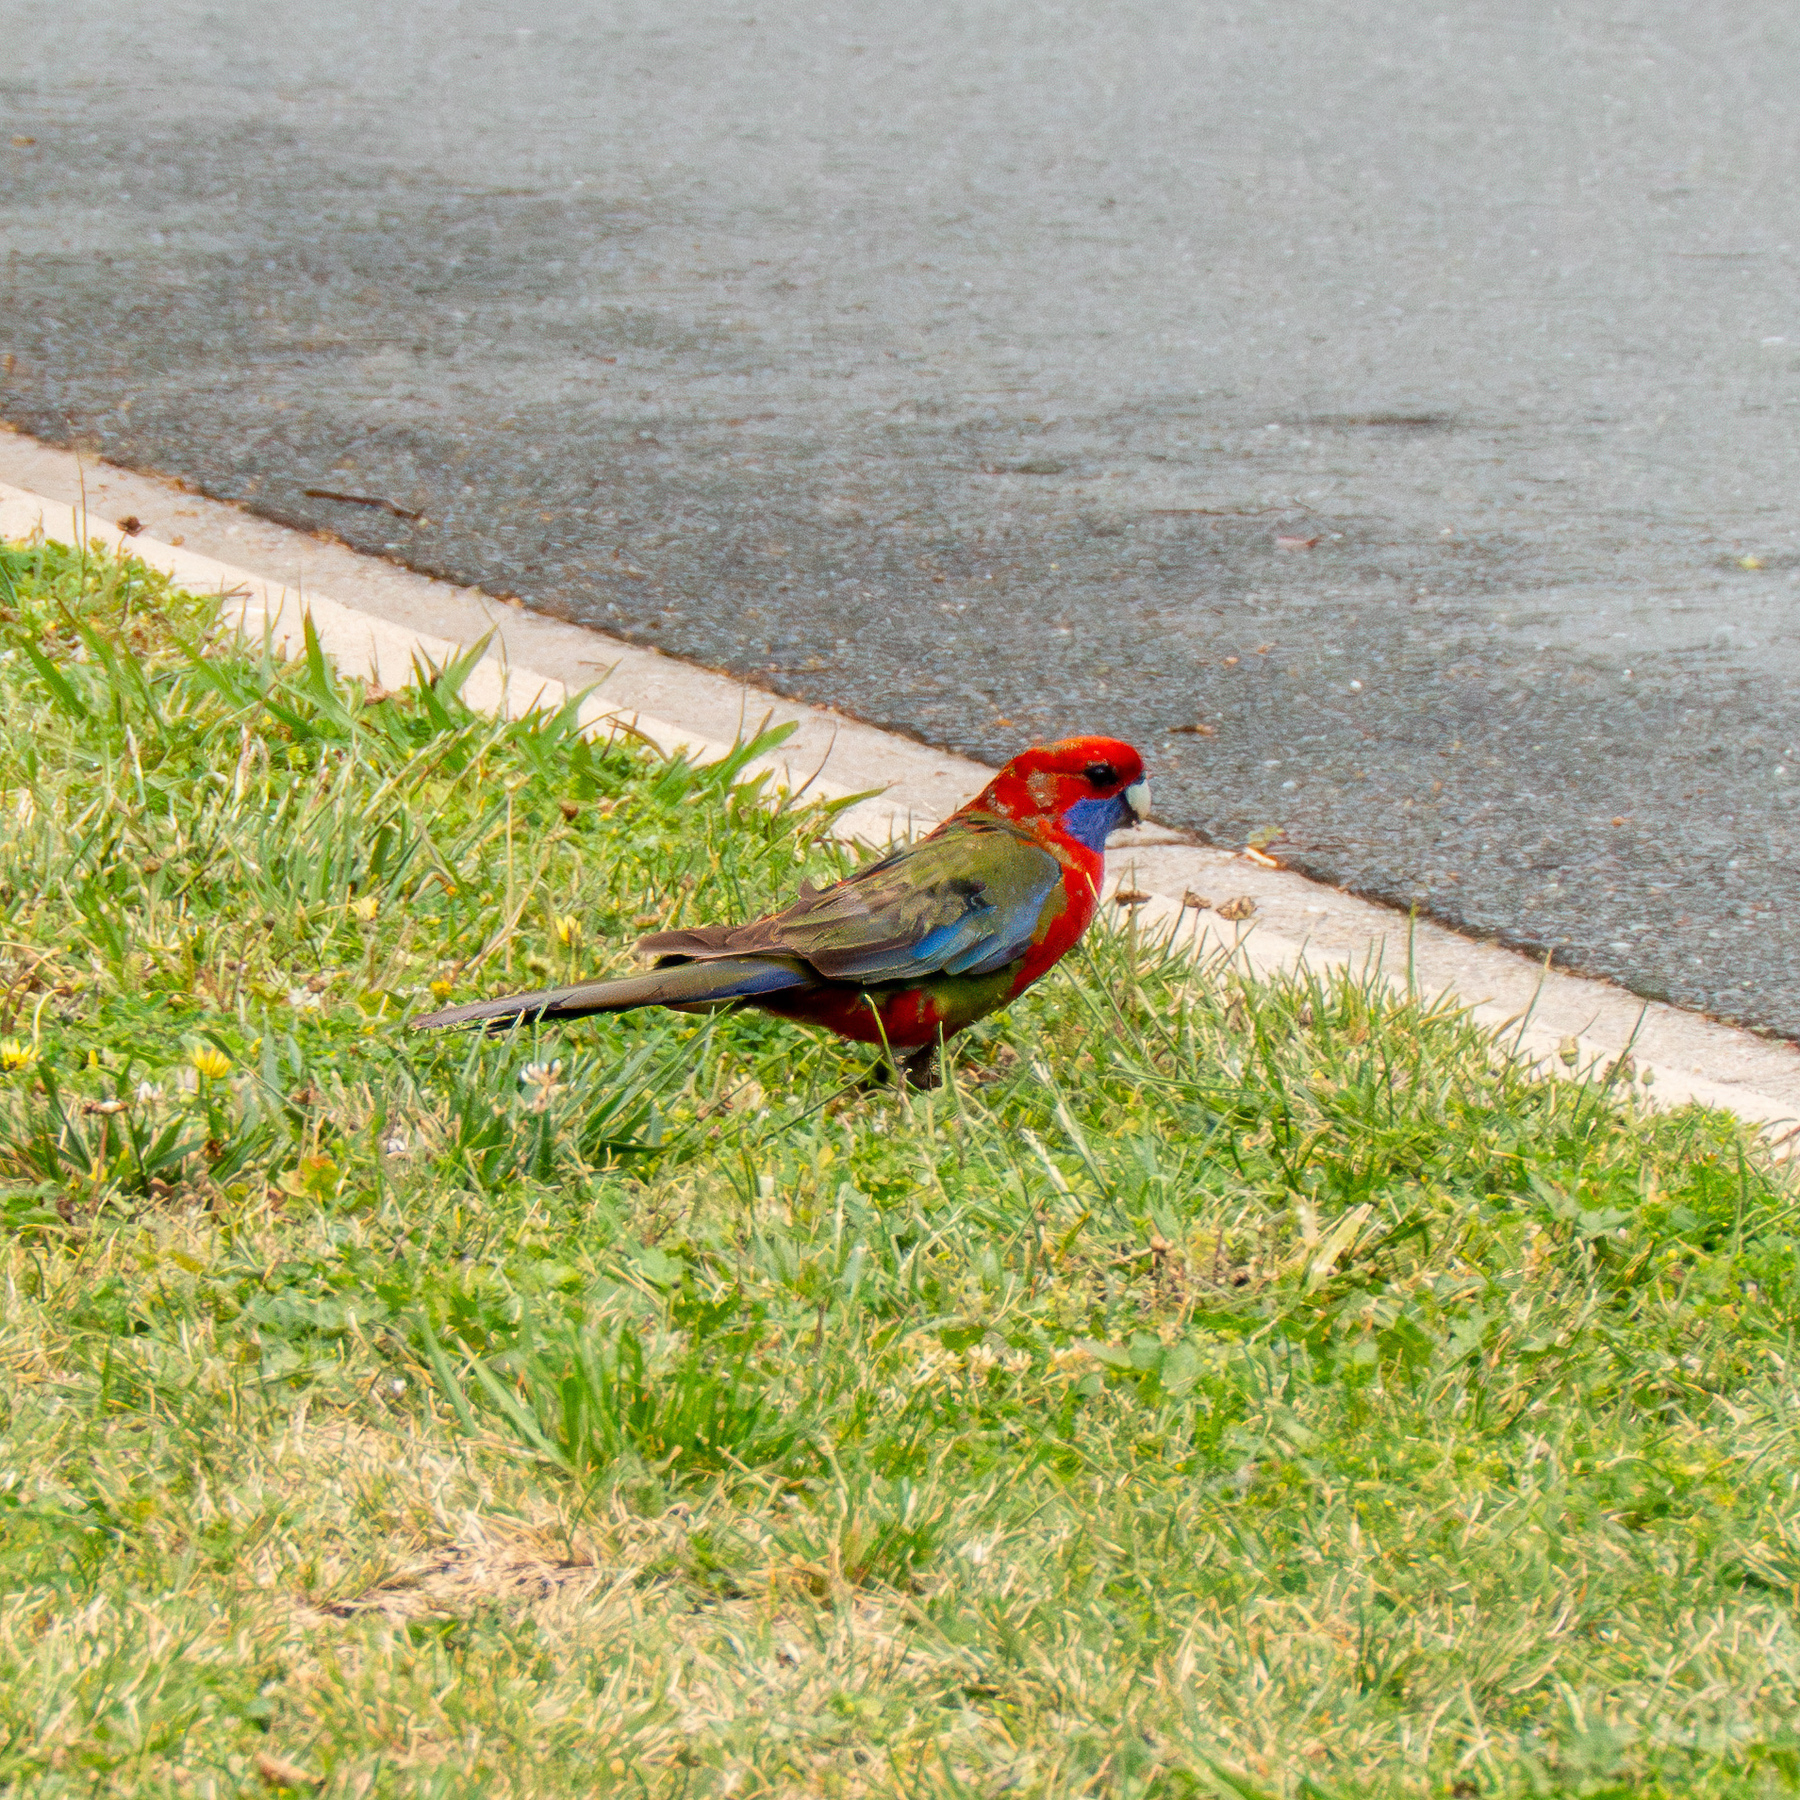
(1137, 797)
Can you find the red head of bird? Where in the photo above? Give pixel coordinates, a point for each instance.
(1081, 788)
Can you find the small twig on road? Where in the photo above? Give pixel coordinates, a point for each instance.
(374, 500)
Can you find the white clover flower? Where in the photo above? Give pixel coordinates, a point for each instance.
(541, 1080)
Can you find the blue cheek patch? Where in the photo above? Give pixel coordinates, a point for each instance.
(1090, 822)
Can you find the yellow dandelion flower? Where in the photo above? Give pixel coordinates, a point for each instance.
(15, 1053)
(215, 1065)
(366, 908)
(568, 930)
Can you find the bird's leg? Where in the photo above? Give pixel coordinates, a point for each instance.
(921, 1069)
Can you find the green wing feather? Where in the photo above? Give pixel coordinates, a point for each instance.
(966, 901)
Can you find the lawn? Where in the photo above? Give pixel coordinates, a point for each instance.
(1221, 1387)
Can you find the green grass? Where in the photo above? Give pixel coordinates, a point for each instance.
(1222, 1388)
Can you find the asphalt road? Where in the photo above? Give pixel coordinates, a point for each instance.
(966, 366)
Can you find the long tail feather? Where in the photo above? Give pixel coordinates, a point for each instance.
(684, 984)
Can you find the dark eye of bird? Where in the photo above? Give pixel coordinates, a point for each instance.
(1101, 774)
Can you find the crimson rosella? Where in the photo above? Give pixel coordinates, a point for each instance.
(911, 949)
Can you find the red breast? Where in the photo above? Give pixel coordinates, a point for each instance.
(1069, 795)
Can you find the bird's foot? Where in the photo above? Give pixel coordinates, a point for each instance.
(921, 1069)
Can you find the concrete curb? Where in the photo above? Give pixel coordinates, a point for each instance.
(373, 617)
